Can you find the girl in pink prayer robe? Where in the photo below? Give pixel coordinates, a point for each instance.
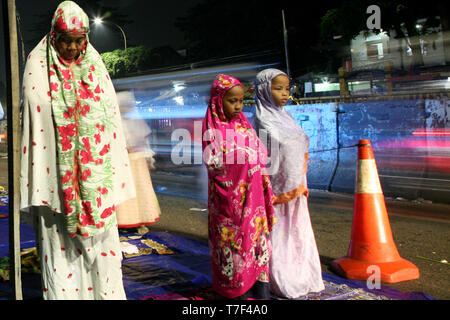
(241, 214)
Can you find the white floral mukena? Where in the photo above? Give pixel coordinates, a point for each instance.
(71, 130)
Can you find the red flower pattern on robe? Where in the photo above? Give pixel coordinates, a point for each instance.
(86, 157)
(66, 74)
(67, 131)
(106, 213)
(68, 194)
(69, 113)
(86, 174)
(85, 109)
(86, 218)
(73, 89)
(77, 23)
(84, 91)
(105, 149)
(86, 143)
(54, 86)
(61, 25)
(98, 138)
(67, 177)
(66, 143)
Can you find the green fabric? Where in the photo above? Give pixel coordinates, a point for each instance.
(84, 128)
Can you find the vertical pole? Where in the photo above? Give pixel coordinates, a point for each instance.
(22, 44)
(343, 85)
(338, 147)
(123, 34)
(13, 121)
(388, 68)
(285, 37)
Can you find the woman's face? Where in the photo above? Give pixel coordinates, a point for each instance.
(233, 102)
(280, 90)
(70, 45)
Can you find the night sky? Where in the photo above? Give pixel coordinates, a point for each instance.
(151, 24)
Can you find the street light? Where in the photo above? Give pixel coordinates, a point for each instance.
(99, 21)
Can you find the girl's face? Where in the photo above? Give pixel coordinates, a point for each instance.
(70, 45)
(233, 102)
(280, 90)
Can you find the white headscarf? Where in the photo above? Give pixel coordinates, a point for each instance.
(288, 160)
(73, 154)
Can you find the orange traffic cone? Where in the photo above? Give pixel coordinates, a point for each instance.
(371, 242)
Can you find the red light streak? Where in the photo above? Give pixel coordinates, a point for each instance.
(431, 133)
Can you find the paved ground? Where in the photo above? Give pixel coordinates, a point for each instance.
(331, 216)
(419, 229)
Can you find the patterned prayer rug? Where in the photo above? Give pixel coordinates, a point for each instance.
(332, 291)
(166, 266)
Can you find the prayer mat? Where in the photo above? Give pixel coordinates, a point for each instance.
(185, 274)
(29, 263)
(332, 291)
(166, 266)
(164, 263)
(3, 209)
(335, 291)
(27, 235)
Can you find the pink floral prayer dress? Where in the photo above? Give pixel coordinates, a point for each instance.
(241, 214)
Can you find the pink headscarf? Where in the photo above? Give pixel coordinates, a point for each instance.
(241, 214)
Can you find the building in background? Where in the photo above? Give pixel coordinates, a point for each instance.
(372, 51)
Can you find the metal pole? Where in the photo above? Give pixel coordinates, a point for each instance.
(338, 147)
(123, 34)
(22, 44)
(285, 37)
(13, 121)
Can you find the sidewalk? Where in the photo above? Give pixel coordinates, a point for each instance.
(331, 217)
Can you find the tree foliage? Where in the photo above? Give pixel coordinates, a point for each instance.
(123, 62)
